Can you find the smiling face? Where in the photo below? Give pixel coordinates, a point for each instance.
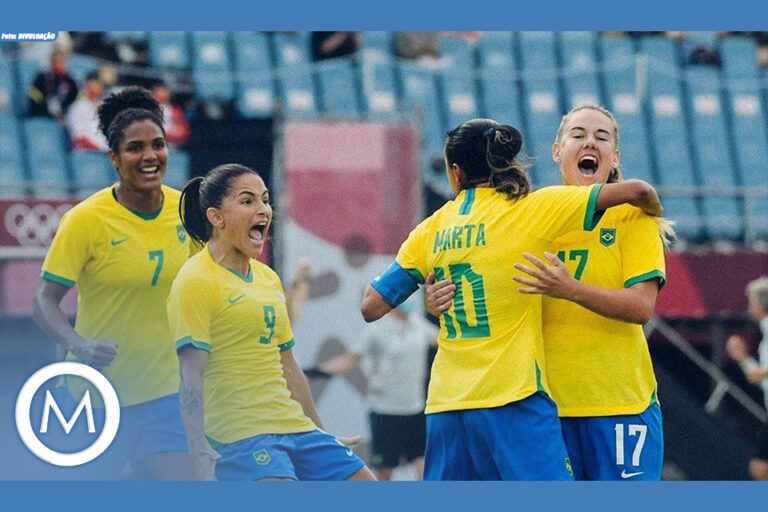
(586, 149)
(141, 157)
(245, 215)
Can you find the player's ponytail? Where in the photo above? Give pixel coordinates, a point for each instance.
(486, 152)
(191, 212)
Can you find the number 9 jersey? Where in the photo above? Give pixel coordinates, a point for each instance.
(490, 349)
(123, 263)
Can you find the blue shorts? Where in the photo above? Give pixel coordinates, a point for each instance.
(518, 441)
(145, 429)
(628, 447)
(315, 455)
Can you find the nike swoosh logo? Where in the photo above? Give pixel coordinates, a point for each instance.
(232, 301)
(624, 474)
(117, 242)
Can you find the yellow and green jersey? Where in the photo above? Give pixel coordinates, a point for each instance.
(123, 263)
(242, 321)
(490, 349)
(597, 366)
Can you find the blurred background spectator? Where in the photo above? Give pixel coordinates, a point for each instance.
(174, 119)
(81, 121)
(53, 90)
(330, 45)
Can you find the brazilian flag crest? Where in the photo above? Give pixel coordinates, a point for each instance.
(608, 236)
(262, 457)
(181, 233)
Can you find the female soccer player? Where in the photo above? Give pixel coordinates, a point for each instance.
(122, 247)
(234, 339)
(489, 415)
(598, 365)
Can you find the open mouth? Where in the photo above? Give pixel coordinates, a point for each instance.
(258, 232)
(587, 165)
(149, 169)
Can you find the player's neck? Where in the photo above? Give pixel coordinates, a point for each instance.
(144, 201)
(228, 256)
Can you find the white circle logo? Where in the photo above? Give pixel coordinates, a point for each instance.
(111, 412)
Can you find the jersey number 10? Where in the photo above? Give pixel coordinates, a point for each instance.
(481, 329)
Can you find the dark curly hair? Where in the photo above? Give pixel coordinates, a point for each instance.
(122, 108)
(486, 151)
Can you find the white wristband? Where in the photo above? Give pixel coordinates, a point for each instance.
(749, 364)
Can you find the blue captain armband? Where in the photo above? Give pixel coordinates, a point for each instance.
(397, 284)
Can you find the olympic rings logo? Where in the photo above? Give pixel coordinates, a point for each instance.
(36, 225)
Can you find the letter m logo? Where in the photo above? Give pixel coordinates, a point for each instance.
(50, 403)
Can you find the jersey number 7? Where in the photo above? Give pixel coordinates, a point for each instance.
(458, 273)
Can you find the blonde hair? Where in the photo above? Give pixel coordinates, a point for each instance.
(666, 229)
(757, 290)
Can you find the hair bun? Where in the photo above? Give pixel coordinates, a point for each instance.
(509, 135)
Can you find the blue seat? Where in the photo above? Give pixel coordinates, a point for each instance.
(715, 161)
(253, 74)
(169, 50)
(80, 66)
(8, 94)
(47, 158)
(13, 179)
(135, 36)
(212, 66)
(739, 59)
(619, 73)
(338, 87)
(497, 72)
(457, 53)
(579, 68)
(420, 98)
(541, 103)
(27, 70)
(91, 172)
(457, 80)
(670, 140)
(177, 171)
(295, 74)
(378, 41)
(378, 84)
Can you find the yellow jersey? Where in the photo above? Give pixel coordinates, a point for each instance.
(242, 321)
(123, 263)
(598, 366)
(490, 348)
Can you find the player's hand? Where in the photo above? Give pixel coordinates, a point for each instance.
(349, 441)
(438, 294)
(552, 280)
(204, 463)
(736, 348)
(304, 269)
(98, 353)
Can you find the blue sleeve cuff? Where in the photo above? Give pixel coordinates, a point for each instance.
(397, 284)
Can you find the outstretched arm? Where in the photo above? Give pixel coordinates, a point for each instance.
(634, 304)
(635, 192)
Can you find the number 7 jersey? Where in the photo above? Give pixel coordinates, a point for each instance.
(123, 263)
(490, 349)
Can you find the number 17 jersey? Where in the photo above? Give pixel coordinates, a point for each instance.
(490, 349)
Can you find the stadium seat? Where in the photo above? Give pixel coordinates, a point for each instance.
(420, 98)
(295, 74)
(177, 172)
(715, 160)
(338, 87)
(135, 36)
(12, 176)
(739, 57)
(378, 41)
(457, 53)
(253, 74)
(91, 172)
(212, 67)
(8, 95)
(541, 103)
(670, 140)
(378, 84)
(169, 50)
(27, 70)
(748, 124)
(578, 62)
(80, 66)
(46, 156)
(499, 91)
(620, 84)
